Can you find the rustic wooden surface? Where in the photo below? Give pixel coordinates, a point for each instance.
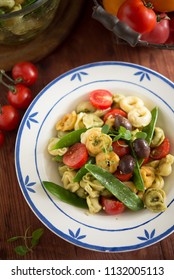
(88, 42)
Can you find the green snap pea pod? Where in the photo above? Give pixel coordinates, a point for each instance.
(65, 195)
(69, 139)
(116, 187)
(82, 171)
(149, 129)
(137, 178)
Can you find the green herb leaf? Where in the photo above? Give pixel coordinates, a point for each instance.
(141, 134)
(105, 129)
(21, 250)
(12, 239)
(36, 235)
(125, 133)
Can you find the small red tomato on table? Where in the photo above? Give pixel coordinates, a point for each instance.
(25, 72)
(20, 96)
(9, 117)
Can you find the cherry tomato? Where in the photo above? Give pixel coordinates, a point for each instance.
(76, 156)
(113, 112)
(112, 206)
(122, 177)
(120, 147)
(162, 150)
(21, 98)
(163, 6)
(9, 117)
(138, 15)
(25, 72)
(160, 33)
(2, 138)
(101, 98)
(112, 6)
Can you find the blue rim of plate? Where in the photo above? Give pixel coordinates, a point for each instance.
(147, 240)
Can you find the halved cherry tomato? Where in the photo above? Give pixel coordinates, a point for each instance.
(2, 138)
(120, 147)
(76, 156)
(21, 98)
(163, 6)
(25, 72)
(101, 98)
(112, 6)
(113, 112)
(138, 15)
(162, 150)
(112, 206)
(122, 177)
(9, 117)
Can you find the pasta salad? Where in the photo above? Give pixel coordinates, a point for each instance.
(111, 155)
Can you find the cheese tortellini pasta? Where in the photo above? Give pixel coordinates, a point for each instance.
(97, 137)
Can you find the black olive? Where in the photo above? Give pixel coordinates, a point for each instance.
(122, 121)
(127, 164)
(141, 148)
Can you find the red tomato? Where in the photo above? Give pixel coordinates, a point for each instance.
(101, 98)
(21, 97)
(160, 33)
(120, 147)
(113, 112)
(138, 15)
(25, 72)
(122, 177)
(9, 117)
(161, 151)
(76, 156)
(112, 206)
(2, 138)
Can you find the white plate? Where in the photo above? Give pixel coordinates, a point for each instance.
(125, 232)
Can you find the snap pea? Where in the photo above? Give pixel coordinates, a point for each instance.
(116, 187)
(82, 171)
(65, 195)
(69, 139)
(149, 129)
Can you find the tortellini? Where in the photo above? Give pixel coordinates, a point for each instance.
(131, 102)
(139, 117)
(96, 141)
(67, 122)
(154, 200)
(55, 152)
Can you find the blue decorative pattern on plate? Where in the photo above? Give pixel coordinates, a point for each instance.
(127, 231)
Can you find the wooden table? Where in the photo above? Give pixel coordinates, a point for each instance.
(88, 42)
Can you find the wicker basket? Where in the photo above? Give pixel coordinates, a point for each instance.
(123, 33)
